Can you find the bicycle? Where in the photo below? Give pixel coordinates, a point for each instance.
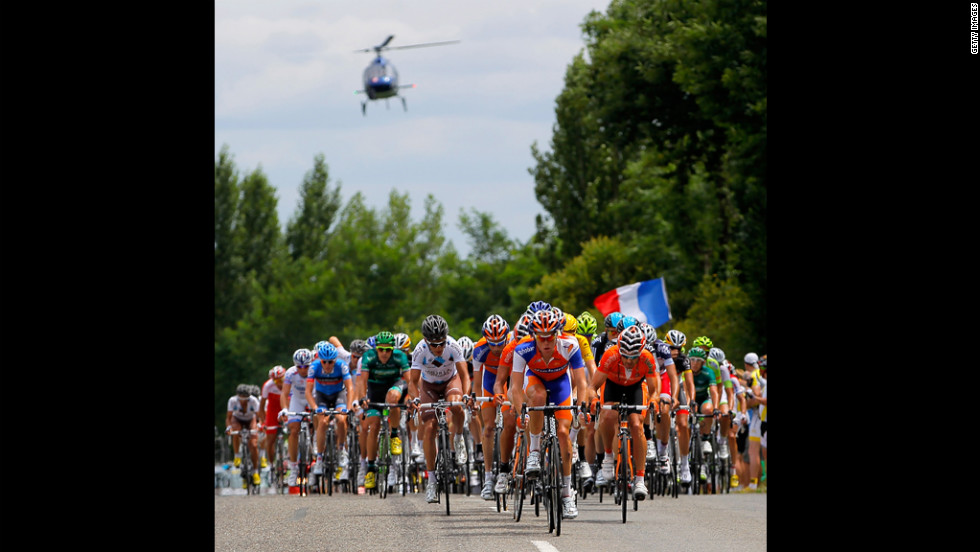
(446, 467)
(384, 448)
(517, 479)
(305, 449)
(353, 453)
(330, 459)
(501, 498)
(278, 472)
(699, 459)
(550, 477)
(669, 480)
(624, 457)
(246, 455)
(720, 481)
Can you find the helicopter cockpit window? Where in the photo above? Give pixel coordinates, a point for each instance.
(378, 70)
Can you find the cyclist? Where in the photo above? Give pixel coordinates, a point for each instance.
(353, 359)
(269, 404)
(668, 385)
(622, 372)
(600, 344)
(329, 385)
(404, 342)
(438, 372)
(504, 387)
(243, 410)
(294, 388)
(726, 396)
(385, 368)
(587, 326)
(476, 422)
(551, 364)
(700, 386)
(571, 328)
(757, 402)
(487, 353)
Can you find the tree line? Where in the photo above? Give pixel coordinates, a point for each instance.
(656, 167)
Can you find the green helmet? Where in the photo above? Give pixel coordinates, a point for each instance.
(704, 342)
(587, 324)
(384, 338)
(698, 352)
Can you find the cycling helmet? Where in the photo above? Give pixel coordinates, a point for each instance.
(277, 373)
(434, 328)
(650, 333)
(316, 348)
(536, 306)
(587, 324)
(254, 390)
(717, 354)
(698, 352)
(626, 322)
(545, 321)
(466, 344)
(302, 357)
(371, 342)
(243, 390)
(403, 342)
(762, 362)
(704, 342)
(358, 347)
(326, 351)
(495, 329)
(523, 326)
(612, 319)
(384, 338)
(676, 338)
(751, 358)
(631, 341)
(571, 324)
(560, 315)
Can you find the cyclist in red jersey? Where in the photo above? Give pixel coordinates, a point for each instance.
(269, 406)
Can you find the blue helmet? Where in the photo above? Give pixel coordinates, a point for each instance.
(326, 351)
(626, 322)
(612, 319)
(302, 357)
(370, 342)
(537, 306)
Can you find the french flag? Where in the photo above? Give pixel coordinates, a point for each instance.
(645, 301)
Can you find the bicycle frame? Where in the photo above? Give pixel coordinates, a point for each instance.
(551, 463)
(446, 468)
(624, 458)
(245, 452)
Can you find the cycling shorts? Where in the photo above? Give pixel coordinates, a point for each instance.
(559, 391)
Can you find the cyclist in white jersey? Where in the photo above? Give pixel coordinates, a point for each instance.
(294, 396)
(243, 411)
(438, 371)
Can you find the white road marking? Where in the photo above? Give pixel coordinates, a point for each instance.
(544, 546)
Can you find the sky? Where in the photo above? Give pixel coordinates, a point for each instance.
(286, 73)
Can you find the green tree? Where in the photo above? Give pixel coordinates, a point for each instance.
(227, 259)
(308, 232)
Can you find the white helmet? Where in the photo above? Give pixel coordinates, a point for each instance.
(752, 359)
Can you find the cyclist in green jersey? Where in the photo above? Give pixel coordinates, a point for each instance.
(386, 370)
(699, 384)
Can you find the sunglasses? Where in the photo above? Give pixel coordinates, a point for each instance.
(630, 357)
(389, 349)
(497, 343)
(436, 345)
(546, 336)
(243, 397)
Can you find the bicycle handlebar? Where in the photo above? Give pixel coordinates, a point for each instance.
(439, 404)
(489, 399)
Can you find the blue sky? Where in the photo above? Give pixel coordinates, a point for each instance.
(286, 72)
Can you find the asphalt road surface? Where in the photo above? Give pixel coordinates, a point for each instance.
(345, 522)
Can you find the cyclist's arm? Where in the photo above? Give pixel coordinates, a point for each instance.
(672, 376)
(228, 419)
(581, 386)
(287, 388)
(349, 387)
(464, 376)
(413, 383)
(689, 387)
(309, 392)
(713, 393)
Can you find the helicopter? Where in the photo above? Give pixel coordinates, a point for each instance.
(381, 78)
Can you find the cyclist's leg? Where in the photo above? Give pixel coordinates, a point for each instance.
(253, 441)
(236, 426)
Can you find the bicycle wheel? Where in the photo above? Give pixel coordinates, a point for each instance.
(674, 452)
(547, 483)
(445, 465)
(353, 459)
(624, 474)
(384, 462)
(519, 490)
(495, 464)
(556, 480)
(330, 461)
(469, 462)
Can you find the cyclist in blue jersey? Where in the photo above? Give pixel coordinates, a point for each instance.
(331, 389)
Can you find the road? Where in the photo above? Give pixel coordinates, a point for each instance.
(345, 522)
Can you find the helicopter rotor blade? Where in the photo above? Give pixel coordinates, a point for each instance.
(422, 45)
